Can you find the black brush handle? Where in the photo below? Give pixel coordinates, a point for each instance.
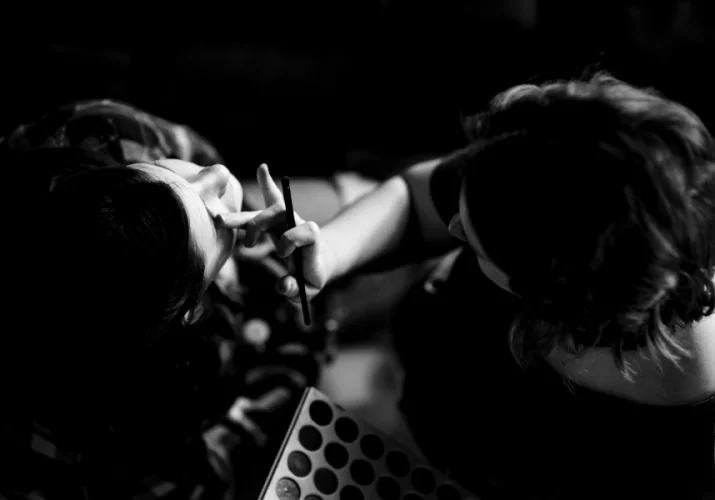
(298, 253)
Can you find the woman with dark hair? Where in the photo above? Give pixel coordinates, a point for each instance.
(147, 369)
(565, 348)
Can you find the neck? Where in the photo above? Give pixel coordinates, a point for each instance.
(657, 383)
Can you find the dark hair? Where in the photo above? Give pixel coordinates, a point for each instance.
(127, 236)
(606, 201)
(118, 274)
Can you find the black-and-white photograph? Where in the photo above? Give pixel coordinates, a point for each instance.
(359, 250)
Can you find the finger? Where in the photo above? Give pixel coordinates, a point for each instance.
(271, 193)
(256, 252)
(307, 237)
(264, 221)
(236, 220)
(287, 286)
(302, 235)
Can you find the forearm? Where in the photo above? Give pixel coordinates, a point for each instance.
(395, 224)
(371, 228)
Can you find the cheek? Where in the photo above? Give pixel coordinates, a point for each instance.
(234, 194)
(226, 243)
(229, 242)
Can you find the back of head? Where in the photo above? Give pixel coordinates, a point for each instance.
(606, 202)
(115, 272)
(123, 248)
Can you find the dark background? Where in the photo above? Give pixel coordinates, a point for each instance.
(312, 87)
(303, 86)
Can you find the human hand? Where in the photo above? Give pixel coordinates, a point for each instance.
(273, 222)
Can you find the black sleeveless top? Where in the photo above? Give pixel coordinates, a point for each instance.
(507, 432)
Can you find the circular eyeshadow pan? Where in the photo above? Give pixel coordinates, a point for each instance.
(287, 489)
(362, 472)
(423, 480)
(448, 492)
(388, 488)
(397, 463)
(346, 429)
(412, 496)
(351, 492)
(372, 446)
(325, 481)
(336, 455)
(299, 463)
(310, 438)
(320, 412)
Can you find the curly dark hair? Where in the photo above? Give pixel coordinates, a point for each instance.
(606, 200)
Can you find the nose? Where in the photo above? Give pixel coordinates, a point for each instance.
(213, 180)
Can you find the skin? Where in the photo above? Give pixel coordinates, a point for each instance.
(212, 197)
(272, 221)
(374, 226)
(205, 192)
